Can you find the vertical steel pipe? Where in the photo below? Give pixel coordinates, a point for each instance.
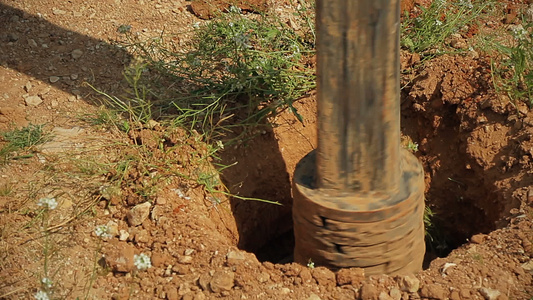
(358, 88)
(358, 198)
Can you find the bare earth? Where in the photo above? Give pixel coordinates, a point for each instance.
(476, 148)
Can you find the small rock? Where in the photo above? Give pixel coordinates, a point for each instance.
(160, 201)
(188, 296)
(324, 276)
(120, 257)
(263, 277)
(285, 291)
(222, 281)
(151, 124)
(369, 291)
(74, 76)
(55, 103)
(384, 296)
(184, 289)
(395, 294)
(458, 42)
(313, 297)
(171, 292)
(528, 266)
(53, 79)
(12, 37)
(305, 275)
(186, 259)
(478, 238)
(455, 295)
(112, 228)
(433, 291)
(410, 283)
(199, 296)
(32, 43)
(33, 100)
(124, 235)
(58, 12)
(28, 86)
(77, 53)
(352, 276)
(234, 257)
(465, 293)
(138, 214)
(489, 294)
(188, 251)
(203, 281)
(142, 236)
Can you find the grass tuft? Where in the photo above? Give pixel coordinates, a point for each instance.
(512, 69)
(19, 139)
(253, 66)
(427, 32)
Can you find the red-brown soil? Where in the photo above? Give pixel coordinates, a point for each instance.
(476, 147)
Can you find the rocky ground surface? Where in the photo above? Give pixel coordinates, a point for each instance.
(475, 145)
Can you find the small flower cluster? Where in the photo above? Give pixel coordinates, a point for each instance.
(102, 231)
(47, 203)
(142, 261)
(235, 10)
(46, 282)
(41, 295)
(519, 32)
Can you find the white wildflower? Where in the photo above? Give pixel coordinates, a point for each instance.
(102, 231)
(310, 264)
(196, 25)
(48, 203)
(234, 9)
(519, 32)
(41, 295)
(46, 282)
(142, 261)
(220, 145)
(438, 22)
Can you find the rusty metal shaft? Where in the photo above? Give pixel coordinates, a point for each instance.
(358, 88)
(359, 197)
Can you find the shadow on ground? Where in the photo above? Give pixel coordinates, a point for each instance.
(61, 58)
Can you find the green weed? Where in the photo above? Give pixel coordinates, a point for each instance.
(512, 69)
(234, 67)
(19, 139)
(435, 238)
(253, 66)
(427, 33)
(28, 136)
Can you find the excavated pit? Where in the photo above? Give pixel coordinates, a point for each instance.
(464, 198)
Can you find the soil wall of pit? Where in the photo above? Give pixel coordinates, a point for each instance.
(469, 142)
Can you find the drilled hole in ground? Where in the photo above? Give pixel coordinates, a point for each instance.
(463, 199)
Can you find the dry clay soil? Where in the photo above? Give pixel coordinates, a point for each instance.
(475, 146)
